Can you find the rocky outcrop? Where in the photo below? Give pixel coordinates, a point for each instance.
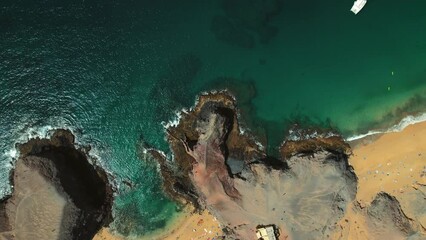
(385, 216)
(307, 192)
(308, 146)
(186, 134)
(215, 166)
(57, 193)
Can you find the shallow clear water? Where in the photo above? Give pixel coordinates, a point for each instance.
(114, 70)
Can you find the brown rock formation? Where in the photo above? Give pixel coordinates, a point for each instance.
(229, 173)
(57, 193)
(312, 145)
(308, 192)
(186, 134)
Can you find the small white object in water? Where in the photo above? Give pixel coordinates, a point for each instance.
(358, 5)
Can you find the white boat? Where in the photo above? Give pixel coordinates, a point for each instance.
(358, 5)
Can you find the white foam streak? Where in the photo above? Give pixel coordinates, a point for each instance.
(12, 153)
(175, 121)
(405, 122)
(41, 132)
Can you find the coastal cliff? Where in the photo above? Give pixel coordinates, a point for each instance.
(309, 191)
(303, 192)
(57, 193)
(316, 188)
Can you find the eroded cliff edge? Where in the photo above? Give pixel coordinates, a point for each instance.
(305, 192)
(57, 193)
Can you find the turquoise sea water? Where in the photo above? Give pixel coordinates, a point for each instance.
(112, 71)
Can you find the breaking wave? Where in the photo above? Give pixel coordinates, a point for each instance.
(405, 122)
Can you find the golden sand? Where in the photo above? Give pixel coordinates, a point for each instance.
(190, 226)
(394, 163)
(391, 163)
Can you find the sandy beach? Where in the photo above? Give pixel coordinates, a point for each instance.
(394, 163)
(189, 226)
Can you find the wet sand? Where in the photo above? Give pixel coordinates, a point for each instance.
(189, 226)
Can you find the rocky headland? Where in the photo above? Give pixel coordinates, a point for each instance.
(305, 192)
(57, 193)
(318, 187)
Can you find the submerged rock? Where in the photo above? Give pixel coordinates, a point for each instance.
(243, 23)
(57, 193)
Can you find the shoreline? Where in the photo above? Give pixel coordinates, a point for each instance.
(393, 163)
(186, 225)
(181, 220)
(239, 201)
(58, 183)
(397, 127)
(381, 149)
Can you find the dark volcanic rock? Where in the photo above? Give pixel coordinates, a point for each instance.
(308, 146)
(217, 167)
(386, 217)
(57, 193)
(305, 192)
(184, 137)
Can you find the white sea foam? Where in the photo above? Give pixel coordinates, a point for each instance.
(357, 137)
(29, 133)
(37, 132)
(303, 134)
(24, 134)
(405, 122)
(260, 145)
(12, 153)
(241, 130)
(175, 121)
(178, 116)
(178, 113)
